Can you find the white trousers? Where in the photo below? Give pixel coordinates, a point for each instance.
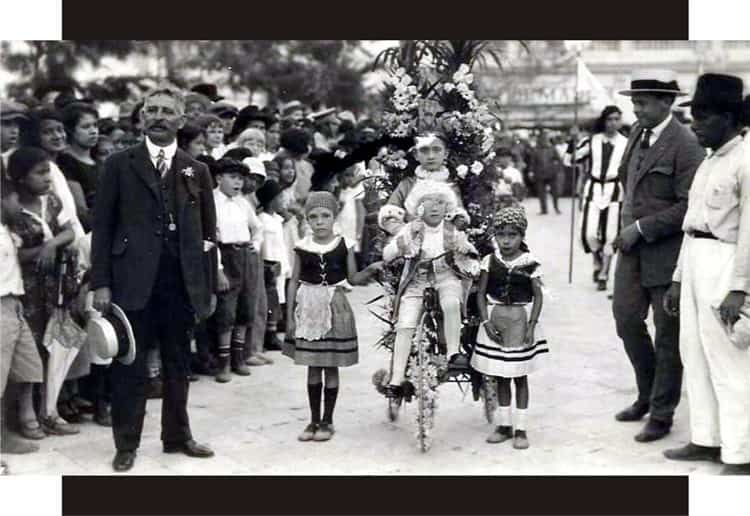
(717, 373)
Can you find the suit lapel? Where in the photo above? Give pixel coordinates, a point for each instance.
(657, 149)
(185, 183)
(634, 137)
(141, 164)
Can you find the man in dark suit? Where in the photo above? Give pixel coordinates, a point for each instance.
(545, 168)
(153, 254)
(658, 168)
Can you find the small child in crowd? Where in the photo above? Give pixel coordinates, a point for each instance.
(255, 335)
(274, 254)
(213, 129)
(236, 225)
(20, 361)
(351, 219)
(509, 341)
(321, 331)
(44, 231)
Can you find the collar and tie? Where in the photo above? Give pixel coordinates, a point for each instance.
(645, 145)
(161, 163)
(646, 141)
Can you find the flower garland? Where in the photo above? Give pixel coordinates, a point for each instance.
(450, 105)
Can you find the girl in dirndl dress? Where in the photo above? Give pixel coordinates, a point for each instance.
(510, 341)
(321, 332)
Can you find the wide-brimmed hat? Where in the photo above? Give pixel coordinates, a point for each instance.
(288, 108)
(249, 114)
(319, 115)
(11, 110)
(719, 91)
(224, 110)
(209, 90)
(110, 335)
(653, 81)
(255, 166)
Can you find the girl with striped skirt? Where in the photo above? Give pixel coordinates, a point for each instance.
(509, 342)
(321, 333)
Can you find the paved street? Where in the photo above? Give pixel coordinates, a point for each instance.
(252, 423)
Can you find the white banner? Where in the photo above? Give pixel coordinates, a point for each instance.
(31, 19)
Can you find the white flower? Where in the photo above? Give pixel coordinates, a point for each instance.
(187, 172)
(448, 87)
(400, 72)
(402, 163)
(462, 170)
(491, 155)
(476, 168)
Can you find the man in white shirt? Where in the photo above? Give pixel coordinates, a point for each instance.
(712, 280)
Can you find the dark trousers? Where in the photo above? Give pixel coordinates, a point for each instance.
(657, 364)
(272, 295)
(541, 183)
(169, 319)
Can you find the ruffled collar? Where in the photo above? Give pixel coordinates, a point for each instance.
(308, 244)
(439, 175)
(522, 260)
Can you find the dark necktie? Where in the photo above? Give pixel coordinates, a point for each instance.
(645, 144)
(646, 141)
(161, 163)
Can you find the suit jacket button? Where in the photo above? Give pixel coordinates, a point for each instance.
(157, 233)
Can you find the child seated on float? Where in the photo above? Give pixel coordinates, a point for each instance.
(429, 236)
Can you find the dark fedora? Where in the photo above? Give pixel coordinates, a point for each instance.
(717, 91)
(249, 114)
(110, 335)
(209, 90)
(653, 81)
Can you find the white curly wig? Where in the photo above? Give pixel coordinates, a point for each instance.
(428, 187)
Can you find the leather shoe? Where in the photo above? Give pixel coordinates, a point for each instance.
(736, 469)
(653, 431)
(691, 452)
(635, 412)
(123, 461)
(189, 448)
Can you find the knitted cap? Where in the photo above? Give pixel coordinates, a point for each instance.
(321, 200)
(512, 216)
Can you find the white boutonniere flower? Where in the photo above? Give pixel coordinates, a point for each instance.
(462, 170)
(187, 172)
(476, 168)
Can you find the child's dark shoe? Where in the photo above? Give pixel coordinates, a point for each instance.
(458, 361)
(500, 435)
(324, 432)
(520, 441)
(308, 434)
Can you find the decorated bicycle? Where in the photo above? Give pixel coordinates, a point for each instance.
(435, 233)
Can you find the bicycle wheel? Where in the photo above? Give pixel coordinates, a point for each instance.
(424, 390)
